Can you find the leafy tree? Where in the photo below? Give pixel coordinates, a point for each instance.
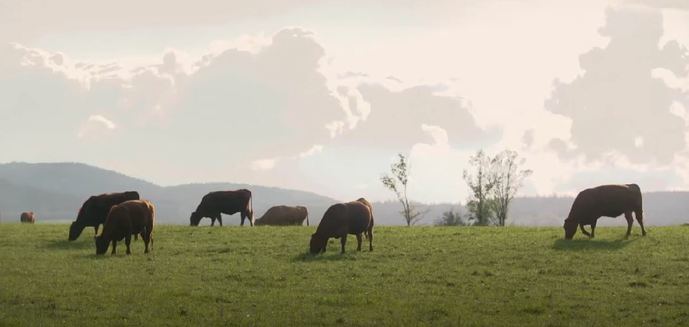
(508, 178)
(481, 180)
(397, 182)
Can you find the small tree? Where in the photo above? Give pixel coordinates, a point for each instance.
(481, 180)
(397, 182)
(508, 178)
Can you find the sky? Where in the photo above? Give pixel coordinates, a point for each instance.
(322, 95)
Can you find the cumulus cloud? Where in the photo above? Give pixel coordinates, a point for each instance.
(395, 119)
(616, 105)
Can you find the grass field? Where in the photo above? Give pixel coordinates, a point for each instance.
(415, 276)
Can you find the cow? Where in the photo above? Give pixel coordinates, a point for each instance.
(604, 201)
(339, 220)
(124, 220)
(27, 217)
(94, 211)
(284, 215)
(214, 204)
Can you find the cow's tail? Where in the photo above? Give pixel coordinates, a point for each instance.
(307, 218)
(251, 208)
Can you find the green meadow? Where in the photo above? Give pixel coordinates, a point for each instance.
(263, 276)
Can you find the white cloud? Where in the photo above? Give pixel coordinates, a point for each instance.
(95, 125)
(263, 164)
(313, 150)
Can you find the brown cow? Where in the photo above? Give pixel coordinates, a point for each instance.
(125, 219)
(604, 201)
(214, 204)
(27, 217)
(342, 219)
(284, 216)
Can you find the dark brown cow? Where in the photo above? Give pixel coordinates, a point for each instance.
(342, 219)
(604, 201)
(284, 216)
(124, 220)
(94, 211)
(214, 204)
(27, 217)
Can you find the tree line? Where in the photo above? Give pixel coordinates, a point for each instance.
(493, 182)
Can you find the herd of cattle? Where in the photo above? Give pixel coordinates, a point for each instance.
(124, 215)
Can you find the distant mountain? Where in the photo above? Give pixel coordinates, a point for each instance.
(55, 191)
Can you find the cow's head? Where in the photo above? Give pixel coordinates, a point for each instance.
(194, 219)
(570, 228)
(75, 230)
(317, 244)
(101, 245)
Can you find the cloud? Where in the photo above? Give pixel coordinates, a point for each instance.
(395, 119)
(263, 164)
(662, 4)
(313, 150)
(95, 124)
(616, 105)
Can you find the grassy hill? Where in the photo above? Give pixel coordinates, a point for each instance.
(415, 276)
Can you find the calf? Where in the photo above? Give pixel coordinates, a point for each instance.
(125, 219)
(604, 201)
(342, 219)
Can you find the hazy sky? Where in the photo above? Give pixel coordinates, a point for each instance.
(321, 95)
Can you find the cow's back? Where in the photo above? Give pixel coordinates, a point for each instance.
(605, 200)
(228, 202)
(97, 207)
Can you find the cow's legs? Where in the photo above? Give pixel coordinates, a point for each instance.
(343, 241)
(640, 218)
(96, 228)
(147, 239)
(583, 231)
(127, 242)
(358, 242)
(370, 240)
(593, 229)
(212, 221)
(114, 245)
(220, 219)
(630, 221)
(243, 217)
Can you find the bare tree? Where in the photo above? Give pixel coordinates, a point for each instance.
(508, 178)
(397, 182)
(481, 180)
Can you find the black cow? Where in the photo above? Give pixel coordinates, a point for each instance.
(94, 211)
(214, 204)
(604, 201)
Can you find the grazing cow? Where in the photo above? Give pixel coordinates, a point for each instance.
(604, 201)
(284, 215)
(94, 211)
(214, 204)
(124, 220)
(342, 219)
(27, 217)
